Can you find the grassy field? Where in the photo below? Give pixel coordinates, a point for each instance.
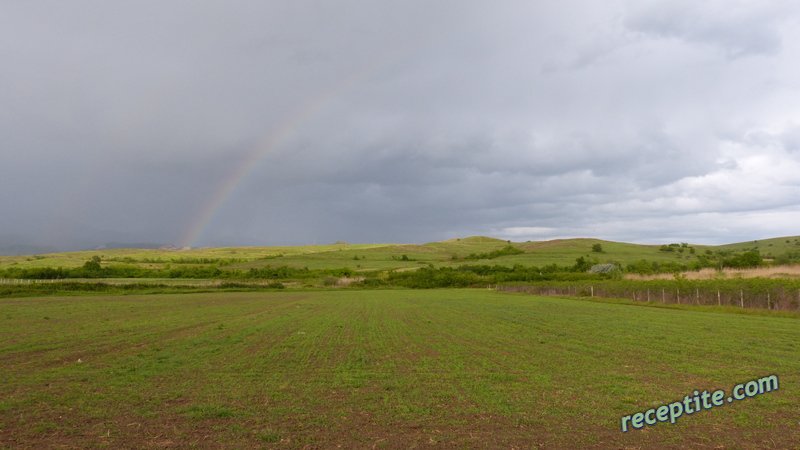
(766, 246)
(373, 256)
(384, 369)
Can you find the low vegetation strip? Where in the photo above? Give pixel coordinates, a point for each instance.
(508, 250)
(33, 288)
(766, 293)
(762, 271)
(93, 269)
(383, 368)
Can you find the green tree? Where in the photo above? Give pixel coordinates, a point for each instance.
(93, 265)
(582, 265)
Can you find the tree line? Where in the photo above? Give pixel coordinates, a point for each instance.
(94, 269)
(714, 260)
(425, 277)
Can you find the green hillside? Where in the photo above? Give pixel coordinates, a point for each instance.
(475, 250)
(767, 247)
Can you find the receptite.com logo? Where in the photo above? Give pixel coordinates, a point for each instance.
(698, 402)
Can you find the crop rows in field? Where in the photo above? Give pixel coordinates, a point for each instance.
(393, 368)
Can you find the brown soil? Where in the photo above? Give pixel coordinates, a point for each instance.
(363, 431)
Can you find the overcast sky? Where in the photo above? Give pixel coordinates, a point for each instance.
(209, 123)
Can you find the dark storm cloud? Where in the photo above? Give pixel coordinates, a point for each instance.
(407, 122)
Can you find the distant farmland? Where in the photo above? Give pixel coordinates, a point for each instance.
(450, 253)
(452, 368)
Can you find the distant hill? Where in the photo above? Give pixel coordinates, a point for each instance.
(11, 244)
(769, 246)
(116, 245)
(475, 239)
(25, 249)
(473, 250)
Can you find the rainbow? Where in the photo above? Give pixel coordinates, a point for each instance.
(264, 147)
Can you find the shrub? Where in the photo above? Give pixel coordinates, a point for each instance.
(330, 281)
(372, 282)
(234, 285)
(603, 268)
(508, 250)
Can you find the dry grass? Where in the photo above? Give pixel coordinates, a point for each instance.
(709, 274)
(345, 281)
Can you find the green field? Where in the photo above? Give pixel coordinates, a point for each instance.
(390, 256)
(384, 369)
(318, 265)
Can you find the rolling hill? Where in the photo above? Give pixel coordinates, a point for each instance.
(363, 257)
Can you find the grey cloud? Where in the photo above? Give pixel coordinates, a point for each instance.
(791, 138)
(786, 138)
(738, 29)
(380, 121)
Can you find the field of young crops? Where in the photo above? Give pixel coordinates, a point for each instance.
(384, 369)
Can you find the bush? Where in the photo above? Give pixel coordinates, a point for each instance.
(747, 259)
(372, 282)
(508, 250)
(234, 285)
(603, 268)
(330, 281)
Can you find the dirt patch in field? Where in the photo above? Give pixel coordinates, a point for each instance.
(358, 429)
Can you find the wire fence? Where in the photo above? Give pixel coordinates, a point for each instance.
(744, 293)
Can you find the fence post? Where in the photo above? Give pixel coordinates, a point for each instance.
(592, 291)
(719, 300)
(741, 298)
